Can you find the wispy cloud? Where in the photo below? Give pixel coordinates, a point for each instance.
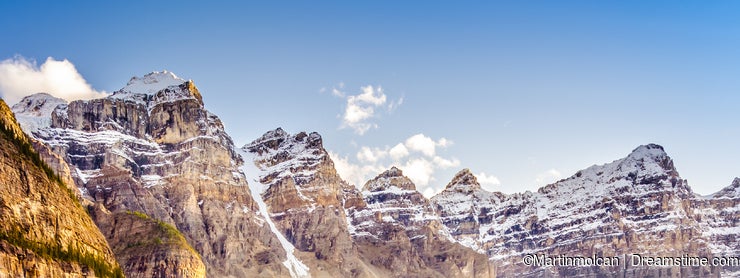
(361, 109)
(371, 155)
(488, 182)
(20, 77)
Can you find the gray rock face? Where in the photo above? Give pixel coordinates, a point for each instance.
(152, 147)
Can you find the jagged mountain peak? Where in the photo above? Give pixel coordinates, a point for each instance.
(279, 138)
(651, 154)
(392, 172)
(156, 88)
(152, 82)
(731, 191)
(38, 104)
(392, 177)
(649, 151)
(646, 164)
(36, 101)
(276, 133)
(464, 180)
(33, 112)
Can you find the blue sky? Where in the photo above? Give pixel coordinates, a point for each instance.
(525, 92)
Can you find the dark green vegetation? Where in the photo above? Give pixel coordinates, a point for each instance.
(164, 233)
(56, 252)
(48, 250)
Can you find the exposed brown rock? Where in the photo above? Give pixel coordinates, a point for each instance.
(163, 154)
(306, 199)
(146, 247)
(44, 231)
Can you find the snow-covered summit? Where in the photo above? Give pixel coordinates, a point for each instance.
(281, 155)
(732, 191)
(276, 134)
(650, 154)
(158, 87)
(33, 112)
(464, 181)
(389, 179)
(278, 139)
(152, 82)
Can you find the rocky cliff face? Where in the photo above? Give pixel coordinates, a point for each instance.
(305, 198)
(463, 207)
(44, 231)
(146, 247)
(151, 147)
(399, 230)
(719, 218)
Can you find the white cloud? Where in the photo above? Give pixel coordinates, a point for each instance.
(398, 152)
(548, 177)
(421, 143)
(424, 144)
(20, 77)
(443, 142)
(484, 178)
(367, 154)
(395, 104)
(337, 93)
(419, 170)
(418, 165)
(429, 192)
(356, 174)
(362, 108)
(445, 163)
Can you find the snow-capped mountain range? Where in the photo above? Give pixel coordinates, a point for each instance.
(277, 207)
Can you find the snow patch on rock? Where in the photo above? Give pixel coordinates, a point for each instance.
(253, 174)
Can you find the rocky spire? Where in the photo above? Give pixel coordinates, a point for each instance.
(392, 177)
(651, 154)
(464, 181)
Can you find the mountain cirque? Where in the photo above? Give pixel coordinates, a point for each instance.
(174, 197)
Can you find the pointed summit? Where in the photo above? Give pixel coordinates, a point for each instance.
(392, 177)
(34, 112)
(732, 191)
(650, 154)
(392, 172)
(275, 134)
(152, 82)
(158, 87)
(648, 151)
(464, 179)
